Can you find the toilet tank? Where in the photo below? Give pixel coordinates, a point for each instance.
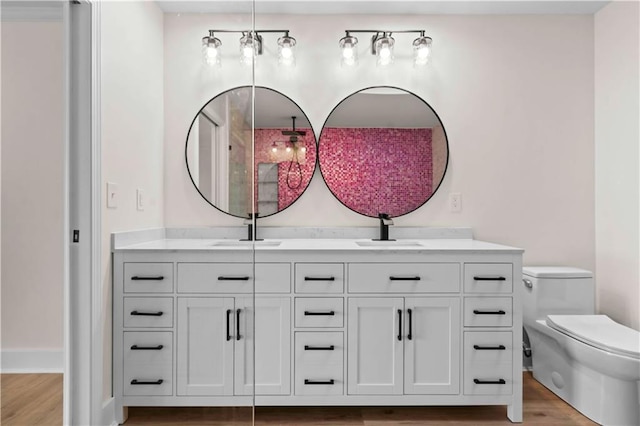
(556, 290)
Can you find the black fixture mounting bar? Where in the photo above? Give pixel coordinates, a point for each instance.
(383, 33)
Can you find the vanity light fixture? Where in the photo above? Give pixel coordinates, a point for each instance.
(251, 46)
(382, 45)
(349, 52)
(286, 49)
(422, 49)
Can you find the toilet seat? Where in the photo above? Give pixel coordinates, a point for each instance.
(599, 331)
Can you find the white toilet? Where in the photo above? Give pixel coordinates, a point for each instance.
(590, 361)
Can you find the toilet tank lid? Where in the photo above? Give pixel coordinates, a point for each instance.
(556, 272)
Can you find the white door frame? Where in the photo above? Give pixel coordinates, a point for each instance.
(83, 302)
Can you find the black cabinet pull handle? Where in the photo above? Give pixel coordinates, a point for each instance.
(489, 348)
(146, 348)
(319, 382)
(319, 348)
(147, 314)
(399, 324)
(228, 324)
(500, 312)
(409, 335)
(223, 278)
(489, 382)
(238, 336)
(319, 278)
(315, 313)
(497, 278)
(142, 382)
(143, 278)
(404, 278)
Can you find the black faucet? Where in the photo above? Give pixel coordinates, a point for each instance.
(385, 221)
(249, 223)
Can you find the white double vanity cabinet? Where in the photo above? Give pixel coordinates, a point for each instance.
(317, 322)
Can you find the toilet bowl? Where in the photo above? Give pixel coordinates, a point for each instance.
(590, 361)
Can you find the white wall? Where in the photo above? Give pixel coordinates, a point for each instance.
(32, 196)
(132, 128)
(617, 136)
(515, 94)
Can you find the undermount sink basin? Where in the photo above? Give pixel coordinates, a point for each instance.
(238, 243)
(400, 243)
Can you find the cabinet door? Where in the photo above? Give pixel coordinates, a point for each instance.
(205, 350)
(374, 346)
(272, 340)
(432, 346)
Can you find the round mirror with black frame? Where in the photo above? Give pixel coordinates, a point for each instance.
(383, 151)
(230, 141)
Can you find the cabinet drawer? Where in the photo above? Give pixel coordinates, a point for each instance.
(215, 277)
(319, 311)
(319, 363)
(404, 277)
(488, 357)
(319, 277)
(148, 363)
(488, 311)
(488, 278)
(148, 277)
(148, 312)
(273, 277)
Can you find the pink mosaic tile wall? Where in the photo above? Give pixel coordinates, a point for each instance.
(264, 139)
(375, 171)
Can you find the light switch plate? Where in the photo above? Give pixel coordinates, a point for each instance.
(140, 199)
(112, 195)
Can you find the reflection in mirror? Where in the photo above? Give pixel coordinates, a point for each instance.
(383, 150)
(222, 141)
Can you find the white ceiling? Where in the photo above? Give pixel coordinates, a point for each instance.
(397, 7)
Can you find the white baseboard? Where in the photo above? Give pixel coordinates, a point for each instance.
(108, 413)
(31, 361)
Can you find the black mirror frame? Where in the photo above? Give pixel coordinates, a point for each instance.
(319, 142)
(186, 146)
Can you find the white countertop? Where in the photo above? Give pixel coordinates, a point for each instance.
(421, 245)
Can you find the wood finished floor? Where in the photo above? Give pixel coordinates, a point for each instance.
(36, 399)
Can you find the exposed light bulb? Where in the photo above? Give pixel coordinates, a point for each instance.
(348, 49)
(250, 47)
(286, 54)
(247, 52)
(211, 50)
(383, 46)
(288, 149)
(303, 149)
(274, 149)
(421, 50)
